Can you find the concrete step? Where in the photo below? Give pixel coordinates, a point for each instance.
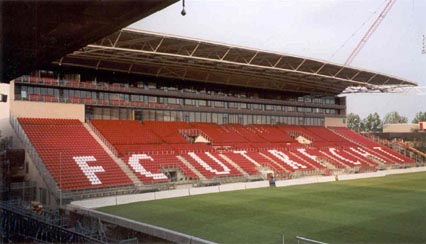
(189, 165)
(274, 162)
(234, 164)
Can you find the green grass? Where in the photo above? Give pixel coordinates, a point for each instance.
(390, 209)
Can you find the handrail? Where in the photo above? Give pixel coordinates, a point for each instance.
(412, 148)
(104, 140)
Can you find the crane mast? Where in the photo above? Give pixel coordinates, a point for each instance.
(370, 32)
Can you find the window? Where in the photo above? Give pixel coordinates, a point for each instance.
(232, 118)
(232, 105)
(124, 113)
(202, 103)
(257, 106)
(215, 118)
(189, 102)
(269, 107)
(219, 104)
(240, 119)
(114, 96)
(249, 119)
(172, 100)
(151, 85)
(197, 117)
(186, 116)
(174, 116)
(204, 117)
(329, 100)
(330, 111)
(152, 99)
(162, 115)
(225, 119)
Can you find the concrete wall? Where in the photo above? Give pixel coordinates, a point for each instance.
(257, 184)
(362, 176)
(35, 176)
(403, 171)
(339, 122)
(232, 187)
(47, 110)
(136, 198)
(123, 199)
(400, 128)
(304, 181)
(203, 190)
(6, 129)
(171, 194)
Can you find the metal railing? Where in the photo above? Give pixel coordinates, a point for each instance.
(168, 93)
(38, 162)
(41, 227)
(103, 139)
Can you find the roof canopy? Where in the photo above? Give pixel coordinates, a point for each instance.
(162, 55)
(35, 33)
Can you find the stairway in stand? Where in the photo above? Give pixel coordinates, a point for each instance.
(189, 165)
(138, 184)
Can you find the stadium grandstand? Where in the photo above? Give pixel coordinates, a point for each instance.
(138, 111)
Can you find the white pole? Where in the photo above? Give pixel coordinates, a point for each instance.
(60, 180)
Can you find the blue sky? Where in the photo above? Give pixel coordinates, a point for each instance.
(320, 29)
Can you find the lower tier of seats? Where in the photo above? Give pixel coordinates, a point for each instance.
(77, 161)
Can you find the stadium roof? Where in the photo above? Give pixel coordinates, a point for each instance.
(35, 33)
(163, 55)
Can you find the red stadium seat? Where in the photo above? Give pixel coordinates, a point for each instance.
(73, 157)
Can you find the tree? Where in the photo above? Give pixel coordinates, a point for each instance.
(420, 117)
(372, 123)
(354, 122)
(394, 118)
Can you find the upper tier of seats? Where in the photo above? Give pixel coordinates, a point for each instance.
(125, 132)
(219, 135)
(73, 157)
(270, 133)
(136, 137)
(168, 131)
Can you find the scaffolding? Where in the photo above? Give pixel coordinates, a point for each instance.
(23, 224)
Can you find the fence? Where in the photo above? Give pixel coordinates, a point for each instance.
(303, 240)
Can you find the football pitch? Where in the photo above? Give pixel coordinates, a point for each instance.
(389, 209)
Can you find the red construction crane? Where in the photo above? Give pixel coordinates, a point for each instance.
(370, 31)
